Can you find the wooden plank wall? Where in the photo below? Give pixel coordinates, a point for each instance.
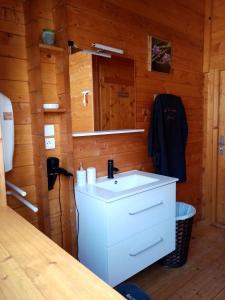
(41, 75)
(217, 35)
(214, 48)
(126, 24)
(49, 83)
(14, 84)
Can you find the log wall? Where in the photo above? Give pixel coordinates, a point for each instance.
(127, 24)
(124, 24)
(14, 84)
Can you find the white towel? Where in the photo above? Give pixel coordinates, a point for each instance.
(7, 125)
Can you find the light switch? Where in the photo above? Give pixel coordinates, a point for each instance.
(49, 130)
(49, 143)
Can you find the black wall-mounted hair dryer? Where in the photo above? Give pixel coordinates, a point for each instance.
(53, 170)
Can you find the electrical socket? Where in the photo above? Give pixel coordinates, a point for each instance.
(49, 130)
(49, 143)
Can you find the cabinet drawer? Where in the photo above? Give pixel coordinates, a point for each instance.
(140, 251)
(136, 213)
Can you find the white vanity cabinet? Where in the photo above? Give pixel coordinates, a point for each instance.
(122, 233)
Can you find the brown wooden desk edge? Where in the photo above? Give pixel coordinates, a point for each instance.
(33, 267)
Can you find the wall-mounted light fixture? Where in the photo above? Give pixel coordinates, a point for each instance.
(96, 53)
(72, 48)
(107, 48)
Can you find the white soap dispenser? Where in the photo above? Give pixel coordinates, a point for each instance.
(81, 175)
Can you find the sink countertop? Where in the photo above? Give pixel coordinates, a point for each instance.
(109, 196)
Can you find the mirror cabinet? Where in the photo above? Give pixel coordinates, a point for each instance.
(102, 92)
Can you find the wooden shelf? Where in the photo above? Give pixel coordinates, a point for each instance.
(106, 132)
(58, 110)
(51, 48)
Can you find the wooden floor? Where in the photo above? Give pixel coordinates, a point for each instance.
(203, 277)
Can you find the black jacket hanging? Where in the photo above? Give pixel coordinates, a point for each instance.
(168, 136)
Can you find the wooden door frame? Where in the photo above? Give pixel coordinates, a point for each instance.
(210, 153)
(3, 201)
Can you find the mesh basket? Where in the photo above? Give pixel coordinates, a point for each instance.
(184, 219)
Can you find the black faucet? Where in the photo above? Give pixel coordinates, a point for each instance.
(111, 169)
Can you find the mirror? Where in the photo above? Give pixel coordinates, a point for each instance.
(102, 92)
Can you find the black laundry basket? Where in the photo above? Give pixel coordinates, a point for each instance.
(184, 219)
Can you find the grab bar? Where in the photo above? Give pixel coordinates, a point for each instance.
(25, 202)
(16, 188)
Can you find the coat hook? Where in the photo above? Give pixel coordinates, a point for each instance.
(85, 95)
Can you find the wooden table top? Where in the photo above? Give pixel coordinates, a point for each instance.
(33, 267)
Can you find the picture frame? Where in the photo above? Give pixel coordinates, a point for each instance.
(159, 55)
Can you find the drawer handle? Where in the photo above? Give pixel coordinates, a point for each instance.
(144, 209)
(147, 248)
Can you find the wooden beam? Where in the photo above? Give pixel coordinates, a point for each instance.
(212, 81)
(215, 131)
(207, 35)
(37, 116)
(66, 141)
(2, 174)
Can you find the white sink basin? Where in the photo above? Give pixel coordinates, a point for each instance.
(121, 184)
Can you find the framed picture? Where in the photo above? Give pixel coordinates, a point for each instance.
(159, 56)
